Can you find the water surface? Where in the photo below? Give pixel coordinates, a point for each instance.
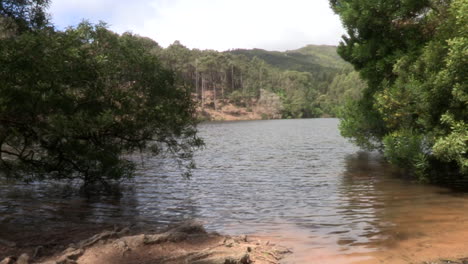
(296, 181)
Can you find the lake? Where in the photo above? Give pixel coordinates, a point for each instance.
(296, 181)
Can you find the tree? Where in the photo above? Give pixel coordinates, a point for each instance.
(22, 15)
(344, 87)
(413, 55)
(75, 104)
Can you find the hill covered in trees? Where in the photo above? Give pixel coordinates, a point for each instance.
(252, 84)
(311, 58)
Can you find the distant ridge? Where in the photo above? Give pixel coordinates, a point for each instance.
(311, 58)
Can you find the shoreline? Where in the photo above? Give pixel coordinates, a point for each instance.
(187, 242)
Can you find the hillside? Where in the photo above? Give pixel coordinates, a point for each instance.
(311, 58)
(312, 81)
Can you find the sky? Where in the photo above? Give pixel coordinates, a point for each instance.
(211, 24)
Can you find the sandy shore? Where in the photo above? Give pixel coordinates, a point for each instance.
(185, 243)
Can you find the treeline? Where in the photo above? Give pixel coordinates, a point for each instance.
(414, 56)
(306, 85)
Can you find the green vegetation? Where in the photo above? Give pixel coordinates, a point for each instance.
(309, 81)
(414, 56)
(311, 58)
(73, 104)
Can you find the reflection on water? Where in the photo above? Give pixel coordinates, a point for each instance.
(385, 219)
(295, 180)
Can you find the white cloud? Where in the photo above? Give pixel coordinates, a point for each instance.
(212, 24)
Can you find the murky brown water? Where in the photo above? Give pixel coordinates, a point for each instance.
(296, 181)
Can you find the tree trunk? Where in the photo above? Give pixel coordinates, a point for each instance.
(196, 83)
(242, 84)
(203, 91)
(214, 91)
(224, 83)
(232, 78)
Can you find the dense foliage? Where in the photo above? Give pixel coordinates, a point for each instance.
(414, 56)
(301, 79)
(22, 15)
(73, 104)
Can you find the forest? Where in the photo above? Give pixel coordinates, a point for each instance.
(404, 96)
(75, 101)
(309, 82)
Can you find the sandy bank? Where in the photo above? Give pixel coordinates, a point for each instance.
(185, 243)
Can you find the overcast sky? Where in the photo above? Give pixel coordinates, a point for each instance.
(211, 24)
